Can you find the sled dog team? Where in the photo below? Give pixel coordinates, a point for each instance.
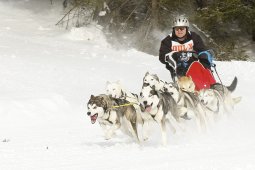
(164, 103)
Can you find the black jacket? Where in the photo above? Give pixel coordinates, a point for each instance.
(193, 42)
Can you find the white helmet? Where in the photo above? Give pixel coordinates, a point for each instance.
(181, 21)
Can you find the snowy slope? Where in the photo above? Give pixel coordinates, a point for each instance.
(47, 76)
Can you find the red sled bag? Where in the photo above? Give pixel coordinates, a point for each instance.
(201, 76)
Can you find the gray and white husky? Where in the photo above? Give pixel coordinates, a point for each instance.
(111, 115)
(153, 80)
(219, 96)
(194, 108)
(213, 102)
(159, 107)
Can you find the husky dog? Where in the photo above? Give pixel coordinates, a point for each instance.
(116, 90)
(188, 100)
(157, 106)
(213, 102)
(173, 89)
(219, 95)
(186, 84)
(111, 115)
(153, 80)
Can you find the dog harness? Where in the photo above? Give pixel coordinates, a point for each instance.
(123, 105)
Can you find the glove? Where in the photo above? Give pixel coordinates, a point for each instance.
(206, 58)
(169, 59)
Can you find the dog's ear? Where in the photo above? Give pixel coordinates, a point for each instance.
(103, 103)
(123, 94)
(153, 87)
(92, 96)
(156, 77)
(147, 73)
(101, 98)
(175, 85)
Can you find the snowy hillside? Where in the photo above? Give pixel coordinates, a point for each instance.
(47, 75)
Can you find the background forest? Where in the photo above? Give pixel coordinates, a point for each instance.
(227, 26)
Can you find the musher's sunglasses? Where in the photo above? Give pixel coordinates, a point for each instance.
(179, 28)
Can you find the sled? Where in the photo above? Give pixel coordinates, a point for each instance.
(202, 77)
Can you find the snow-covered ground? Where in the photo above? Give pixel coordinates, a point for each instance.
(47, 75)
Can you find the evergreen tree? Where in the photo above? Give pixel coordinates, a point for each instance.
(133, 22)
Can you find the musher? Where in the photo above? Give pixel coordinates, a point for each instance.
(184, 54)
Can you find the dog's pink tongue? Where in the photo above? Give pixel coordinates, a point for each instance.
(93, 118)
(148, 108)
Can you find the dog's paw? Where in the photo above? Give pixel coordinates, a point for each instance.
(107, 137)
(145, 138)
